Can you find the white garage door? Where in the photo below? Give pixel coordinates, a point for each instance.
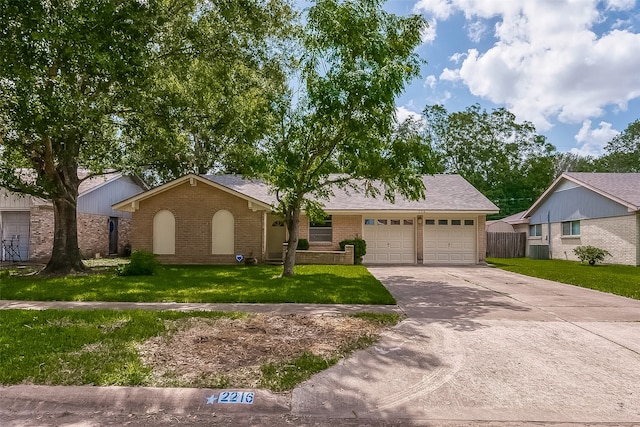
(389, 240)
(15, 236)
(449, 241)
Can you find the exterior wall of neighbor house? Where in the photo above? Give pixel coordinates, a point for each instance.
(93, 234)
(193, 208)
(618, 235)
(342, 227)
(41, 233)
(499, 227)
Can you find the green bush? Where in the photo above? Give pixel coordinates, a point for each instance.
(303, 245)
(359, 248)
(590, 254)
(143, 263)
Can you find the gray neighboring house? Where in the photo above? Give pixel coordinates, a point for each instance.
(597, 209)
(26, 222)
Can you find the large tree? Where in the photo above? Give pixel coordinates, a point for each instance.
(356, 59)
(91, 84)
(623, 151)
(506, 160)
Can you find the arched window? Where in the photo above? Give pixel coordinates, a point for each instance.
(164, 233)
(222, 233)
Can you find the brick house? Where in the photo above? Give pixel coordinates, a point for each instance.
(210, 219)
(26, 222)
(580, 209)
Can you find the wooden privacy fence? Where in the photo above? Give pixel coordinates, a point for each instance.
(506, 245)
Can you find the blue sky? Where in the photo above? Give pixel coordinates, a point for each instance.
(571, 67)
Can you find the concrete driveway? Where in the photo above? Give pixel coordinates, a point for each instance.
(488, 345)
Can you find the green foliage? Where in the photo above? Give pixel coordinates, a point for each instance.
(314, 284)
(355, 59)
(143, 263)
(506, 160)
(303, 244)
(359, 248)
(590, 254)
(94, 347)
(286, 375)
(616, 279)
(386, 319)
(125, 84)
(623, 151)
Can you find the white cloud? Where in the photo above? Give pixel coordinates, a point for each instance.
(430, 81)
(439, 9)
(403, 113)
(620, 4)
(593, 141)
(450, 75)
(429, 34)
(476, 30)
(457, 57)
(547, 63)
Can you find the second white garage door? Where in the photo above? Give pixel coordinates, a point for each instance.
(449, 241)
(389, 240)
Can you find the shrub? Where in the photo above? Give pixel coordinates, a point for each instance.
(143, 263)
(359, 248)
(590, 254)
(303, 244)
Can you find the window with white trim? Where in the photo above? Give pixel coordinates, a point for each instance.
(571, 228)
(321, 231)
(535, 230)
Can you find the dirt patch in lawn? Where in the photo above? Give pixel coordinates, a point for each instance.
(201, 352)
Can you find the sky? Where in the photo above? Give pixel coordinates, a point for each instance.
(571, 67)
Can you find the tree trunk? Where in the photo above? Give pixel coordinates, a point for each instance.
(65, 256)
(293, 227)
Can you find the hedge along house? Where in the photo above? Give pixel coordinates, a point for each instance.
(26, 222)
(210, 219)
(580, 209)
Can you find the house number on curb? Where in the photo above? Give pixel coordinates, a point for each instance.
(232, 397)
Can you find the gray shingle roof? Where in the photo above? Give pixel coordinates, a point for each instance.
(443, 193)
(623, 186)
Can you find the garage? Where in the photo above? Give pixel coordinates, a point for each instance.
(449, 241)
(389, 240)
(15, 236)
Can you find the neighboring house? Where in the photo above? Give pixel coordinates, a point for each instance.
(26, 222)
(211, 218)
(597, 209)
(511, 224)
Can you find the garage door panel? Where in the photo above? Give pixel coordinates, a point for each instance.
(389, 240)
(447, 240)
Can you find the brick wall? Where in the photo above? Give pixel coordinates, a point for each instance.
(329, 257)
(93, 234)
(342, 227)
(193, 208)
(41, 233)
(618, 235)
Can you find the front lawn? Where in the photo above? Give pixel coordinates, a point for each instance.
(176, 349)
(615, 279)
(312, 284)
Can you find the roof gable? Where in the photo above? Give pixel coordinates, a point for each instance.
(622, 188)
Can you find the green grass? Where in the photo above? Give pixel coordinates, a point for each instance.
(312, 284)
(75, 347)
(100, 347)
(615, 279)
